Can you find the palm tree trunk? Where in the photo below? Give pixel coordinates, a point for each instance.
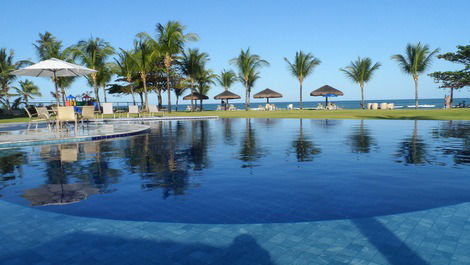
(159, 99)
(192, 93)
(144, 80)
(451, 97)
(63, 95)
(362, 96)
(416, 92)
(177, 99)
(200, 104)
(141, 99)
(300, 94)
(104, 93)
(96, 88)
(168, 88)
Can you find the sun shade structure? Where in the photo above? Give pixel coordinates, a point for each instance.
(195, 96)
(57, 194)
(54, 68)
(326, 91)
(268, 93)
(226, 95)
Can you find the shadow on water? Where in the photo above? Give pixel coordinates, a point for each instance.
(86, 248)
(387, 243)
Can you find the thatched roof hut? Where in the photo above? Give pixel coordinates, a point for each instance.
(195, 96)
(326, 91)
(227, 95)
(267, 94)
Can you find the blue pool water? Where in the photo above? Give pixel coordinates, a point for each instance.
(231, 171)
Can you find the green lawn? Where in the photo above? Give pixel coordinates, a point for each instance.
(431, 114)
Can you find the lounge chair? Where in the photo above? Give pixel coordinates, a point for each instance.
(232, 108)
(290, 106)
(43, 113)
(33, 117)
(108, 110)
(153, 110)
(88, 113)
(133, 109)
(66, 114)
(383, 106)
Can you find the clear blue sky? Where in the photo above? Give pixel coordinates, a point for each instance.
(334, 31)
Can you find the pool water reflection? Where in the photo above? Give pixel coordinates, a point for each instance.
(248, 171)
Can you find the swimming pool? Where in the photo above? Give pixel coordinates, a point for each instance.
(241, 171)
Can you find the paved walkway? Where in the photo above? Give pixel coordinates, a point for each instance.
(438, 236)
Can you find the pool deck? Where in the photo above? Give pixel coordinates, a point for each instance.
(105, 128)
(437, 236)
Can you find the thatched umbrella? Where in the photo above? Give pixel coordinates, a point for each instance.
(226, 95)
(196, 96)
(268, 93)
(56, 194)
(326, 91)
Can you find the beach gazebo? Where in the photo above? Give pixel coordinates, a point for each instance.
(326, 91)
(267, 94)
(226, 95)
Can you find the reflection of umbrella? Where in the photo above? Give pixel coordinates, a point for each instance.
(268, 93)
(227, 95)
(56, 194)
(326, 91)
(195, 96)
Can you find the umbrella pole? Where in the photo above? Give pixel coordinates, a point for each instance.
(57, 99)
(267, 100)
(326, 102)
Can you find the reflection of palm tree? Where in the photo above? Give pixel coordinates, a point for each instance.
(304, 148)
(361, 140)
(250, 151)
(413, 149)
(458, 130)
(10, 162)
(199, 142)
(228, 133)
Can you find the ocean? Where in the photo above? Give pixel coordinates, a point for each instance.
(429, 103)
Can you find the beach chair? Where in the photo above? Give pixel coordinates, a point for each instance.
(383, 106)
(88, 113)
(261, 107)
(219, 107)
(290, 106)
(66, 114)
(153, 110)
(375, 106)
(43, 113)
(133, 109)
(390, 106)
(108, 110)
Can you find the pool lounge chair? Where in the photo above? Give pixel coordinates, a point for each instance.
(133, 109)
(43, 113)
(153, 110)
(108, 110)
(88, 113)
(66, 114)
(232, 108)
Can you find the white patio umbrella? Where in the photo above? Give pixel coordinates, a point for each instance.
(54, 68)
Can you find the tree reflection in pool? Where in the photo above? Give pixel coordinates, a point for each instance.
(249, 171)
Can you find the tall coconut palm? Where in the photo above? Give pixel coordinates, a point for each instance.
(47, 47)
(191, 65)
(415, 62)
(180, 85)
(171, 39)
(361, 72)
(8, 65)
(142, 56)
(126, 68)
(93, 53)
(28, 90)
(205, 78)
(248, 71)
(226, 78)
(302, 67)
(104, 76)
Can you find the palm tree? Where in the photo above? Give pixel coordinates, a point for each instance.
(190, 65)
(126, 68)
(104, 76)
(226, 78)
(180, 85)
(8, 65)
(248, 65)
(205, 78)
(142, 56)
(415, 62)
(28, 90)
(360, 72)
(47, 47)
(302, 67)
(171, 40)
(93, 53)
